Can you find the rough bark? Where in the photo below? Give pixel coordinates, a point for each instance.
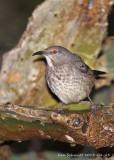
(85, 128)
(79, 26)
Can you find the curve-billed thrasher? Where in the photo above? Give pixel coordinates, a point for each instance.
(68, 77)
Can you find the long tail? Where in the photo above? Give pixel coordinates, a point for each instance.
(97, 73)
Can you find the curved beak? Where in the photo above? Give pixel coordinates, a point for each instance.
(38, 53)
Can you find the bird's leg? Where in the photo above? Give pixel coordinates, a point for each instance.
(92, 104)
(60, 109)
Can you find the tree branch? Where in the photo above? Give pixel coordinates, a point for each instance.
(86, 128)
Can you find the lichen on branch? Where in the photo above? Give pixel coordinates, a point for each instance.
(85, 128)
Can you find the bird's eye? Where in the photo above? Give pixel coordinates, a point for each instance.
(54, 52)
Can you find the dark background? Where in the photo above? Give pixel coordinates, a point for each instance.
(13, 20)
(14, 16)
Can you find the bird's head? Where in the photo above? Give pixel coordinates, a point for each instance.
(54, 54)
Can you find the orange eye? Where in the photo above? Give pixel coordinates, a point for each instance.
(54, 52)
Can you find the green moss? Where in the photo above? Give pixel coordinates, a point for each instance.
(10, 122)
(82, 106)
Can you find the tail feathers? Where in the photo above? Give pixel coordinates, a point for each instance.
(98, 72)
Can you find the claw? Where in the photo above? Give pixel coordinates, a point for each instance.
(60, 109)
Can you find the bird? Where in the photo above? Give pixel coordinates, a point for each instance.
(67, 75)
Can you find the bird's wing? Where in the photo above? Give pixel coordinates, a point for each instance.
(79, 64)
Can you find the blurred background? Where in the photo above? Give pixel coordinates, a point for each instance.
(14, 17)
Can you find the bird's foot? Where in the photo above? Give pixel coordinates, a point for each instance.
(60, 109)
(93, 106)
